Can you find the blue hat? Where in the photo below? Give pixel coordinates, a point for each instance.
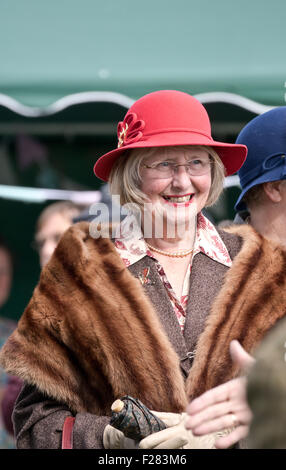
(265, 137)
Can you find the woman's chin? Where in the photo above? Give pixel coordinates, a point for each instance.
(174, 219)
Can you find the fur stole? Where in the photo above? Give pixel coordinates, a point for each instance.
(251, 301)
(90, 335)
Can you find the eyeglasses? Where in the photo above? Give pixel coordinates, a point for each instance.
(167, 169)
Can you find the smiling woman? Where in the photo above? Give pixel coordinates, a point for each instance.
(177, 192)
(129, 166)
(137, 314)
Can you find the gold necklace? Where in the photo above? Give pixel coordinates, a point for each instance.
(179, 254)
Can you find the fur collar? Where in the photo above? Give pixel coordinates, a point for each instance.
(90, 334)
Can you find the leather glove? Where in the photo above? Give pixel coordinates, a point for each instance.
(115, 439)
(176, 436)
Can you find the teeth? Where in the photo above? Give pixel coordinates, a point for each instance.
(179, 199)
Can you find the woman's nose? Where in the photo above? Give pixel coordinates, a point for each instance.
(181, 176)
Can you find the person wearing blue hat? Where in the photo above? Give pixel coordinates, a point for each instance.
(262, 207)
(262, 177)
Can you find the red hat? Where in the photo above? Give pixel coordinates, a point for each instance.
(168, 118)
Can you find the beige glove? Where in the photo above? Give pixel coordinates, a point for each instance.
(176, 436)
(115, 439)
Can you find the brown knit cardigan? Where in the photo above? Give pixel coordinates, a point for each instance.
(92, 333)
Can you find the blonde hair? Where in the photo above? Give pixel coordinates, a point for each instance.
(125, 179)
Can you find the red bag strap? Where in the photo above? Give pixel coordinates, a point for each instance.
(67, 433)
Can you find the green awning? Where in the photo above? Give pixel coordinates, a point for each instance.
(116, 51)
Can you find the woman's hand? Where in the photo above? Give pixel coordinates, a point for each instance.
(176, 436)
(115, 439)
(225, 406)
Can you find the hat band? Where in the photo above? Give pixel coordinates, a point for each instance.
(270, 163)
(176, 129)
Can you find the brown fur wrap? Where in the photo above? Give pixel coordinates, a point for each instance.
(90, 335)
(251, 301)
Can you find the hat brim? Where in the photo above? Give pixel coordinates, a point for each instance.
(232, 155)
(275, 174)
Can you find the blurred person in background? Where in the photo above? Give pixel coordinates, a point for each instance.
(51, 224)
(261, 204)
(266, 390)
(7, 326)
(53, 221)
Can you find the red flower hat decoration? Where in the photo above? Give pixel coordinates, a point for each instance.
(129, 130)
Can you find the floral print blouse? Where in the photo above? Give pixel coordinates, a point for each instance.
(133, 248)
